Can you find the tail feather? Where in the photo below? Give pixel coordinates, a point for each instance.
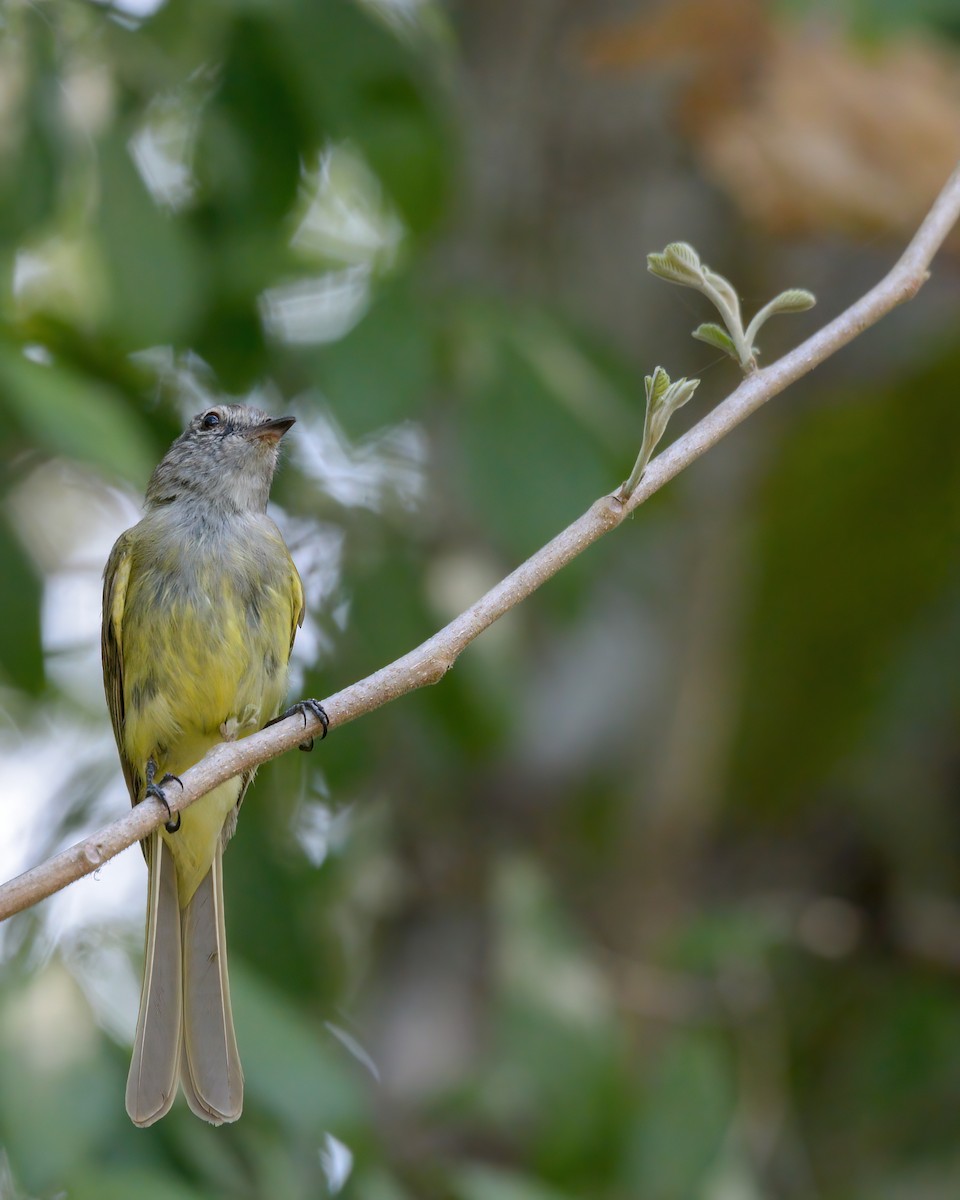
(211, 1075)
(155, 1066)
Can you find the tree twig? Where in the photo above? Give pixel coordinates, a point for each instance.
(431, 660)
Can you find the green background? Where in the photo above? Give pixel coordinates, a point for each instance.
(654, 896)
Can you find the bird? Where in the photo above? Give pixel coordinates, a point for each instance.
(201, 605)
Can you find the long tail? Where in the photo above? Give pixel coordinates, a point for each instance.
(211, 1075)
(185, 1027)
(155, 1067)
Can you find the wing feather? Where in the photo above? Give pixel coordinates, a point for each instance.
(299, 607)
(116, 578)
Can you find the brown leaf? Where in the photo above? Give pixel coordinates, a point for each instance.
(806, 129)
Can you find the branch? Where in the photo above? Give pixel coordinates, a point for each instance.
(430, 661)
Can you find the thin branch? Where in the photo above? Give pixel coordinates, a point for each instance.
(430, 661)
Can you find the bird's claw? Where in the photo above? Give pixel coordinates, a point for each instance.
(156, 790)
(302, 707)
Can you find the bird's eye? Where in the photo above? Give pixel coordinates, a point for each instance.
(209, 420)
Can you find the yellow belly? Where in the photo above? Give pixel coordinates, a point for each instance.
(195, 843)
(198, 670)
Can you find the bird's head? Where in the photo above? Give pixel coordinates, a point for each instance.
(225, 457)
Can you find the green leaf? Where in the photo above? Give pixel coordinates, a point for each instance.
(490, 1183)
(657, 385)
(253, 132)
(717, 337)
(76, 1089)
(849, 569)
(683, 252)
(679, 263)
(305, 1077)
(517, 431)
(21, 651)
(663, 398)
(150, 263)
(690, 1106)
(33, 151)
(794, 300)
(679, 393)
(118, 1182)
(382, 370)
(357, 81)
(64, 412)
(683, 257)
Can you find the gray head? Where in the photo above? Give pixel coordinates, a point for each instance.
(224, 459)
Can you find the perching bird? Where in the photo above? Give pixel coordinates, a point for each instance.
(201, 603)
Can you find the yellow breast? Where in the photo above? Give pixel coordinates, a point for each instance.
(206, 638)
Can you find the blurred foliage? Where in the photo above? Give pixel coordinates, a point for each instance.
(654, 897)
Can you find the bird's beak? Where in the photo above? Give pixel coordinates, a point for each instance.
(272, 430)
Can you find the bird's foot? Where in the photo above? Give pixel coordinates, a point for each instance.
(303, 707)
(156, 790)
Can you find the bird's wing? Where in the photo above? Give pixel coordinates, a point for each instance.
(299, 607)
(116, 577)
